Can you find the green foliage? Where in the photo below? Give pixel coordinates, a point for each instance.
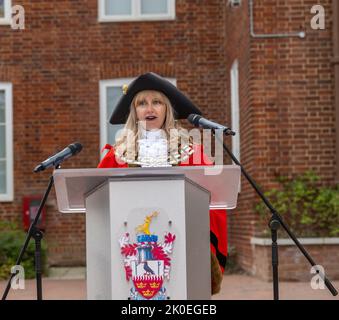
(11, 241)
(310, 210)
(232, 266)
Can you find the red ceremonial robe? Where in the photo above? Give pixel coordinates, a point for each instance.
(218, 218)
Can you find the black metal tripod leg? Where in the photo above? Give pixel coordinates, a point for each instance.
(274, 225)
(38, 235)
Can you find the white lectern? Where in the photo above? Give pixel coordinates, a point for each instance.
(147, 229)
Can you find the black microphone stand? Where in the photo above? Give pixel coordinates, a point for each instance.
(37, 235)
(275, 222)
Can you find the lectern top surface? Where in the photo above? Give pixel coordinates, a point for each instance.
(73, 184)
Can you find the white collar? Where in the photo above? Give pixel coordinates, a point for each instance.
(152, 134)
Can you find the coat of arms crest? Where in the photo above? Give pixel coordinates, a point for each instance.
(147, 262)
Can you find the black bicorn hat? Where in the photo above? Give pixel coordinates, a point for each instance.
(182, 106)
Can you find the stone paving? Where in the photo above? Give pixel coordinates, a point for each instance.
(234, 287)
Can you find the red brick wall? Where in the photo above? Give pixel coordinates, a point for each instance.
(293, 266)
(55, 65)
(293, 93)
(238, 47)
(287, 102)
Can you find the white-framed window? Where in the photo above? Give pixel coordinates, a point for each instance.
(6, 142)
(135, 10)
(5, 11)
(235, 109)
(110, 93)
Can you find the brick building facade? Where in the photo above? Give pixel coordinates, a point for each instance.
(56, 64)
(287, 102)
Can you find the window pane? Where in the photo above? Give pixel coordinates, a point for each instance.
(3, 188)
(118, 7)
(2, 105)
(2, 9)
(153, 6)
(113, 95)
(2, 141)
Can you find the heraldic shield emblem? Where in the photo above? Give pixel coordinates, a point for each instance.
(147, 262)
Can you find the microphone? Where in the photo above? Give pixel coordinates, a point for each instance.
(199, 121)
(56, 159)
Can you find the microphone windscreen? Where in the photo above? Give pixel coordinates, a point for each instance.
(75, 147)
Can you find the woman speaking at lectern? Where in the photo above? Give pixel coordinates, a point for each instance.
(149, 108)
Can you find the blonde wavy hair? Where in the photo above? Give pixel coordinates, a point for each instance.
(126, 145)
